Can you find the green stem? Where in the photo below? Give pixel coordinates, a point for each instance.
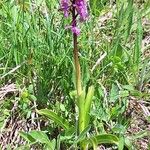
(80, 94)
(76, 58)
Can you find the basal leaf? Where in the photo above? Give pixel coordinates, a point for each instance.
(88, 102)
(102, 139)
(39, 136)
(56, 118)
(27, 137)
(83, 134)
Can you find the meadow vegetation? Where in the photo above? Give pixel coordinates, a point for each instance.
(38, 98)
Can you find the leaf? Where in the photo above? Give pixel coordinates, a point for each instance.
(138, 43)
(128, 143)
(140, 135)
(27, 137)
(114, 93)
(81, 105)
(62, 107)
(25, 147)
(53, 116)
(83, 134)
(103, 139)
(68, 134)
(87, 106)
(123, 93)
(119, 129)
(121, 143)
(129, 13)
(39, 136)
(97, 6)
(143, 74)
(128, 87)
(33, 97)
(50, 145)
(119, 22)
(73, 94)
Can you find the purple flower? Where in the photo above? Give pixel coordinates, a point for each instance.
(65, 7)
(81, 8)
(75, 30)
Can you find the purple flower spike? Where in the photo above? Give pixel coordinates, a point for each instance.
(80, 9)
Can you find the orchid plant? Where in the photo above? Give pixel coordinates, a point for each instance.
(77, 10)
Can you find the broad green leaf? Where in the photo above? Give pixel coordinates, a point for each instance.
(81, 137)
(83, 134)
(70, 131)
(27, 137)
(81, 105)
(50, 145)
(68, 134)
(103, 139)
(56, 118)
(39, 136)
(114, 93)
(88, 102)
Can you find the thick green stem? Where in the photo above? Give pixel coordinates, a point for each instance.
(80, 94)
(77, 67)
(76, 58)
